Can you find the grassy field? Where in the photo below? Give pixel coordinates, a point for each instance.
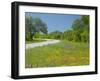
(61, 54)
(35, 40)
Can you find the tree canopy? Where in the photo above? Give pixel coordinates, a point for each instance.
(55, 35)
(81, 29)
(34, 25)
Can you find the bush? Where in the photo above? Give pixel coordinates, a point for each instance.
(37, 35)
(85, 37)
(27, 37)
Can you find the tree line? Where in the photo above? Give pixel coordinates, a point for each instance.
(79, 31)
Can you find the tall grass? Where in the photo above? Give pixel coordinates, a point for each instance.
(61, 54)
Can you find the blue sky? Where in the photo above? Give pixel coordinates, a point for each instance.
(59, 22)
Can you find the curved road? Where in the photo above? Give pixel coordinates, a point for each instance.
(47, 42)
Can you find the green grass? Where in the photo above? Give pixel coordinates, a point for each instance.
(61, 54)
(34, 41)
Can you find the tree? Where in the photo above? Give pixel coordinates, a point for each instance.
(30, 29)
(56, 35)
(81, 29)
(33, 26)
(39, 25)
(77, 25)
(85, 34)
(68, 35)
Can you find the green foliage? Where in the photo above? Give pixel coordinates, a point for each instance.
(27, 36)
(55, 35)
(29, 27)
(68, 35)
(39, 25)
(33, 26)
(81, 29)
(78, 33)
(85, 36)
(37, 35)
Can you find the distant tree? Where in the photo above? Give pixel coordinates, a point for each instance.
(56, 35)
(68, 35)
